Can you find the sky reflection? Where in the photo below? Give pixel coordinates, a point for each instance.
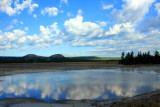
(101, 84)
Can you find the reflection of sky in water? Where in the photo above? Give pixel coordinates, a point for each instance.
(80, 84)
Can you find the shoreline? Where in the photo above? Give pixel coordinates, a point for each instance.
(25, 102)
(20, 68)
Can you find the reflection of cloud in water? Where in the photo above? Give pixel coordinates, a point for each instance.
(85, 92)
(124, 92)
(16, 90)
(91, 84)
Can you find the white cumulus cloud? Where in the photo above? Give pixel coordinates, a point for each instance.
(106, 7)
(35, 16)
(63, 2)
(17, 8)
(132, 11)
(51, 11)
(15, 35)
(76, 26)
(9, 27)
(117, 28)
(103, 23)
(44, 31)
(157, 5)
(21, 22)
(22, 40)
(18, 39)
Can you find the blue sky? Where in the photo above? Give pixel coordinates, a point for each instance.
(78, 27)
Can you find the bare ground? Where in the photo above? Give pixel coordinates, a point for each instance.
(16, 68)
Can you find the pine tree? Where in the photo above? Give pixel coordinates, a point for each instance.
(140, 58)
(156, 57)
(122, 58)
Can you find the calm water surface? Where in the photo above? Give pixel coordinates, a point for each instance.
(100, 84)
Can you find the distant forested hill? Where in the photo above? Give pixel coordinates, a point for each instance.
(52, 58)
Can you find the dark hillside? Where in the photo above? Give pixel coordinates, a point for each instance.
(53, 58)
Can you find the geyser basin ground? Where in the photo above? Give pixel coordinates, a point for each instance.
(93, 84)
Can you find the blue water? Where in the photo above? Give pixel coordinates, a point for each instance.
(101, 84)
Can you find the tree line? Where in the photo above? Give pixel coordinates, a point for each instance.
(140, 58)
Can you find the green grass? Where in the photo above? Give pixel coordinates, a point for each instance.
(107, 59)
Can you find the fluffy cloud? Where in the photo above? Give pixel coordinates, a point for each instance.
(35, 16)
(22, 40)
(126, 30)
(33, 39)
(81, 31)
(157, 5)
(9, 27)
(21, 22)
(26, 28)
(63, 2)
(153, 38)
(15, 21)
(76, 27)
(49, 35)
(132, 11)
(117, 28)
(103, 24)
(106, 7)
(149, 24)
(80, 12)
(51, 30)
(12, 40)
(44, 31)
(82, 42)
(6, 6)
(15, 35)
(25, 4)
(69, 14)
(32, 7)
(51, 11)
(103, 49)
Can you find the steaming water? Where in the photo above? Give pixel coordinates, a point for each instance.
(99, 84)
